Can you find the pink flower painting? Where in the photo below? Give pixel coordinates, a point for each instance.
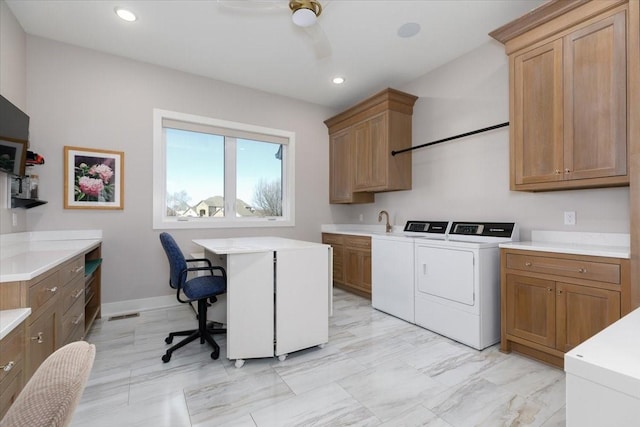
(94, 178)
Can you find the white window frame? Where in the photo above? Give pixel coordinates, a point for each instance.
(162, 221)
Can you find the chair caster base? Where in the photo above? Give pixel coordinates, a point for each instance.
(215, 354)
(166, 358)
(168, 339)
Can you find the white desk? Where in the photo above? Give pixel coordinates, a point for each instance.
(603, 376)
(278, 294)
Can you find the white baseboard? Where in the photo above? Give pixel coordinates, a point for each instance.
(217, 312)
(136, 305)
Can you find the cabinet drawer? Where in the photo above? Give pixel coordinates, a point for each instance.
(9, 392)
(72, 319)
(11, 354)
(332, 239)
(42, 292)
(72, 292)
(361, 242)
(72, 269)
(589, 270)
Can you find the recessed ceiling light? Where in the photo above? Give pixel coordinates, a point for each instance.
(125, 14)
(338, 80)
(409, 29)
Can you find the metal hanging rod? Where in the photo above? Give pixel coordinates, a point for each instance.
(462, 135)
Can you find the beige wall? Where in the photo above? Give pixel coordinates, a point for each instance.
(468, 179)
(80, 97)
(13, 72)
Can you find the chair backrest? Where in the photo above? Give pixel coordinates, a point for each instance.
(177, 263)
(54, 390)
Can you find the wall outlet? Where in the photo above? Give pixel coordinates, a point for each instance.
(570, 218)
(361, 217)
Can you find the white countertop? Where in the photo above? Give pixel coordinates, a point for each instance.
(358, 229)
(238, 245)
(611, 357)
(24, 256)
(9, 319)
(612, 245)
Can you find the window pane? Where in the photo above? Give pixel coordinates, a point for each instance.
(259, 178)
(194, 173)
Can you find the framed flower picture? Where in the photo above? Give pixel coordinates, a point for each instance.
(93, 179)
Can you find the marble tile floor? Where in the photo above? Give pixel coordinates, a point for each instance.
(376, 370)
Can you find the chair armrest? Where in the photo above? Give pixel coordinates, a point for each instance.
(199, 260)
(211, 269)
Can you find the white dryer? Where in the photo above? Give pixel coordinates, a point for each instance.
(457, 282)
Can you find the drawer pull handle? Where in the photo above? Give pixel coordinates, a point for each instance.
(52, 290)
(557, 171)
(567, 171)
(78, 319)
(77, 295)
(582, 270)
(38, 338)
(550, 289)
(77, 269)
(8, 366)
(528, 263)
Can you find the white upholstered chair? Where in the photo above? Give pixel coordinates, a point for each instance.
(53, 392)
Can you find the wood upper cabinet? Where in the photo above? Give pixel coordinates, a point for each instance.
(361, 140)
(568, 96)
(340, 171)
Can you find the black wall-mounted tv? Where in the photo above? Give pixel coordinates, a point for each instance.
(14, 137)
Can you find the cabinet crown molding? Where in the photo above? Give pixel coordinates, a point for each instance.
(388, 99)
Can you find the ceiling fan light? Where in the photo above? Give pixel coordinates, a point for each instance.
(304, 17)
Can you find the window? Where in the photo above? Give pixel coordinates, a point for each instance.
(215, 173)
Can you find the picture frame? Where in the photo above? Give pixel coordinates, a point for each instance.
(93, 178)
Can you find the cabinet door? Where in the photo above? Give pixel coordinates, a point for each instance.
(378, 135)
(362, 156)
(595, 100)
(42, 338)
(358, 269)
(371, 154)
(340, 167)
(537, 115)
(582, 312)
(531, 312)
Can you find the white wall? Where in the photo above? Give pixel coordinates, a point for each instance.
(468, 179)
(79, 97)
(13, 72)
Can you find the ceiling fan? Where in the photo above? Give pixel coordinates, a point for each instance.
(304, 15)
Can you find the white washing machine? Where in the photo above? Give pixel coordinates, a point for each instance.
(457, 282)
(392, 267)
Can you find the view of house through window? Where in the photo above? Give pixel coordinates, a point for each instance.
(195, 175)
(222, 174)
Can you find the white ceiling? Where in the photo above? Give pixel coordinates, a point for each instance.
(253, 43)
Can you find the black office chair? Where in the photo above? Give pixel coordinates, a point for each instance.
(202, 289)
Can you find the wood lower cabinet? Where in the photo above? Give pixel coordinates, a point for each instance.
(12, 356)
(361, 140)
(64, 302)
(351, 262)
(553, 302)
(570, 73)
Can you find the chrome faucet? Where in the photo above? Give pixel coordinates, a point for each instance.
(388, 226)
